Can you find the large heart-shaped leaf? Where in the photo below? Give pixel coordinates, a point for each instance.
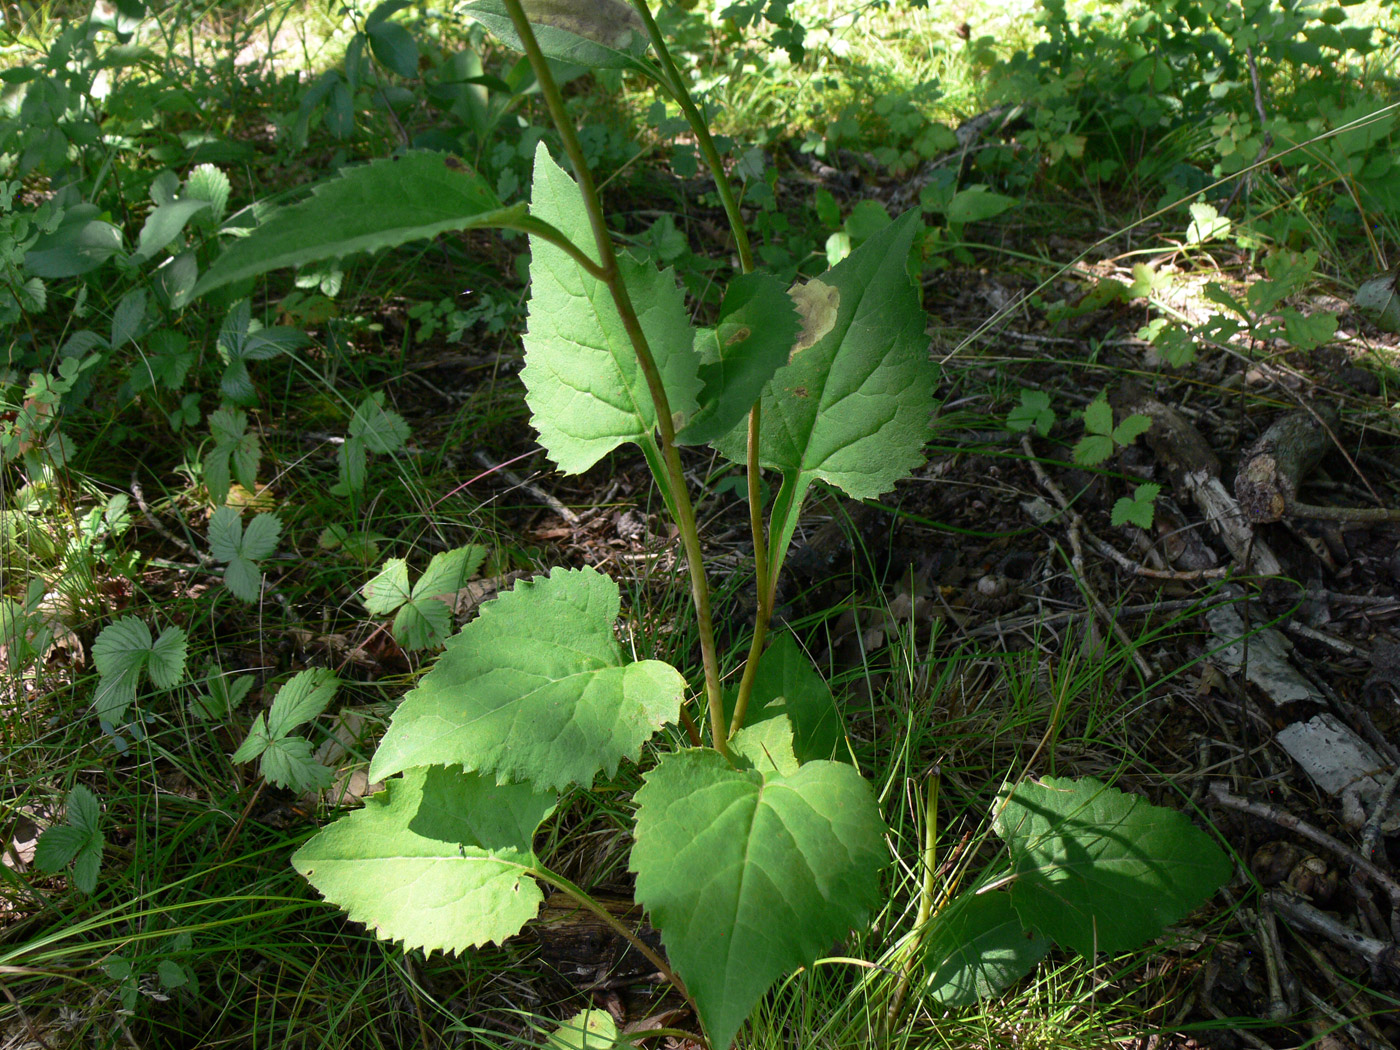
(535, 688)
(750, 876)
(440, 860)
(377, 205)
(1098, 870)
(584, 386)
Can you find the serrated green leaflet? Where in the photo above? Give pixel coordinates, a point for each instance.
(122, 652)
(750, 877)
(535, 688)
(377, 205)
(1098, 870)
(585, 389)
(440, 860)
(421, 619)
(977, 947)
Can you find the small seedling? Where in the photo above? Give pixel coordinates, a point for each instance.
(1102, 438)
(77, 841)
(241, 549)
(288, 761)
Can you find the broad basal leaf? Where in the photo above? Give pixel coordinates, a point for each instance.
(584, 387)
(749, 877)
(852, 406)
(976, 947)
(755, 332)
(535, 688)
(1099, 870)
(376, 205)
(439, 860)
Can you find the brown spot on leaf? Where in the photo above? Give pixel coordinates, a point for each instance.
(817, 305)
(740, 334)
(799, 391)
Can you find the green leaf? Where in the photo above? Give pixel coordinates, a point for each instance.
(535, 688)
(289, 763)
(163, 225)
(395, 47)
(1137, 510)
(303, 698)
(852, 406)
(757, 327)
(583, 384)
(235, 454)
(586, 1030)
(242, 550)
(376, 205)
(1098, 417)
(381, 431)
(241, 340)
(1033, 411)
(388, 590)
(1307, 333)
(976, 946)
(977, 203)
(1206, 224)
(598, 34)
(78, 840)
(255, 743)
(1128, 431)
(786, 684)
(423, 619)
(440, 860)
(121, 652)
(127, 318)
(765, 746)
(749, 877)
(1093, 450)
(1101, 871)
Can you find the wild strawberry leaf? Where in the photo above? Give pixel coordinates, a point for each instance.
(750, 876)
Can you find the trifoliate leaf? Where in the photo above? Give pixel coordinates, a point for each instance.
(241, 550)
(289, 763)
(122, 652)
(381, 431)
(78, 840)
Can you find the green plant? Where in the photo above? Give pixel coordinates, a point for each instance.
(755, 853)
(77, 841)
(1101, 437)
(286, 760)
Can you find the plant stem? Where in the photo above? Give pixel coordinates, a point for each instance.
(677, 90)
(674, 475)
(764, 613)
(617, 925)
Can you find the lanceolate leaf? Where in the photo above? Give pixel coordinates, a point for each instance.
(377, 205)
(749, 877)
(584, 387)
(440, 860)
(852, 406)
(977, 946)
(535, 688)
(1099, 870)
